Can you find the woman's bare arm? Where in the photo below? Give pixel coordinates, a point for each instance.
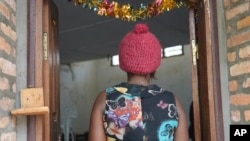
(96, 130)
(181, 133)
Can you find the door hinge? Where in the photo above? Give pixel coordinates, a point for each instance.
(45, 46)
(194, 52)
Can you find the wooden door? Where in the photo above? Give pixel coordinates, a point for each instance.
(51, 69)
(195, 83)
(43, 64)
(209, 91)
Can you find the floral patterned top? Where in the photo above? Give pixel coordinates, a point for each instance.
(139, 113)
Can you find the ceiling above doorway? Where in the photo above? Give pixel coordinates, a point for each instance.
(84, 35)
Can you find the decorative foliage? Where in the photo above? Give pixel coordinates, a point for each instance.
(126, 11)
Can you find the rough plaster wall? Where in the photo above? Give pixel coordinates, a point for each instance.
(21, 65)
(78, 85)
(223, 69)
(108, 75)
(86, 79)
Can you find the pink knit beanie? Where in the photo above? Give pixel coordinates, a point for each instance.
(139, 51)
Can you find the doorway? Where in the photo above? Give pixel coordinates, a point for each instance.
(210, 123)
(82, 81)
(208, 80)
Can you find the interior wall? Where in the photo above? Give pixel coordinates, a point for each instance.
(77, 93)
(82, 81)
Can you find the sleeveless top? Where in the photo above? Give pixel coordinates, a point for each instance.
(139, 113)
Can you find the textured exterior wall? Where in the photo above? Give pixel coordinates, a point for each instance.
(237, 16)
(7, 68)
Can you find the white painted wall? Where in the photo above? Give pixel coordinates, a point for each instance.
(82, 81)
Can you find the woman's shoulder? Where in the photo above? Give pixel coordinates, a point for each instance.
(101, 97)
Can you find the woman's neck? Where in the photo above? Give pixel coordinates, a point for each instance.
(139, 79)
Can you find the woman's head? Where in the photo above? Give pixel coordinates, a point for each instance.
(140, 51)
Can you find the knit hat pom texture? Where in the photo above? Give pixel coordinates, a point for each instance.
(139, 51)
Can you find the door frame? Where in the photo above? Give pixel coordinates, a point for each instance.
(210, 102)
(42, 69)
(208, 80)
(34, 65)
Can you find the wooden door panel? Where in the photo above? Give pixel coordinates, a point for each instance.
(195, 87)
(46, 67)
(55, 119)
(209, 77)
(50, 75)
